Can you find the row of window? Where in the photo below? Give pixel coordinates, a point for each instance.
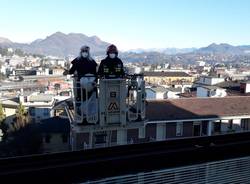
(64, 138)
(33, 111)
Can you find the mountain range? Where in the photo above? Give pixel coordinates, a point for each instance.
(224, 48)
(60, 44)
(168, 51)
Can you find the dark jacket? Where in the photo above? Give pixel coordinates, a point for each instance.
(111, 68)
(83, 66)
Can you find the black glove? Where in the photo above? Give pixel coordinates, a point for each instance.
(66, 72)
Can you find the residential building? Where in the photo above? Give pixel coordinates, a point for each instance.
(197, 117)
(167, 77)
(211, 91)
(160, 92)
(57, 71)
(39, 105)
(180, 118)
(24, 72)
(156, 93)
(9, 108)
(173, 93)
(210, 80)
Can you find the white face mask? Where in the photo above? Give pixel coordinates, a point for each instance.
(112, 55)
(85, 54)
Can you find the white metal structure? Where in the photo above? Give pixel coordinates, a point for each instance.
(112, 106)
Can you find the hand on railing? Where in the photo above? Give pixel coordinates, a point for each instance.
(66, 72)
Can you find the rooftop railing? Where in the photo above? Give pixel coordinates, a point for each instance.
(223, 172)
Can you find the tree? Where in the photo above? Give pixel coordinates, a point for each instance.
(19, 52)
(22, 118)
(4, 127)
(2, 115)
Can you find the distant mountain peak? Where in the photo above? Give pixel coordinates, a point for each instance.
(222, 48)
(4, 40)
(95, 37)
(220, 45)
(58, 33)
(37, 41)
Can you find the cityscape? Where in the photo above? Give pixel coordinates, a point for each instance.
(88, 109)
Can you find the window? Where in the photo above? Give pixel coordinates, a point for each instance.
(197, 129)
(208, 93)
(100, 138)
(179, 129)
(230, 124)
(245, 124)
(47, 138)
(32, 111)
(217, 126)
(65, 138)
(204, 127)
(46, 112)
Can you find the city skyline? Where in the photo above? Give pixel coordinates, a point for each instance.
(131, 24)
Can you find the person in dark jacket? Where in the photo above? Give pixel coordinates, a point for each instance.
(111, 66)
(82, 65)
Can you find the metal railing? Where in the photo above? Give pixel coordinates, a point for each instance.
(79, 103)
(222, 172)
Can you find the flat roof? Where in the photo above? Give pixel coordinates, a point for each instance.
(41, 98)
(166, 74)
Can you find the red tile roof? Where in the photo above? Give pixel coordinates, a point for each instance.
(195, 108)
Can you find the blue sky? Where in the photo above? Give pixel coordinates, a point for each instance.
(130, 23)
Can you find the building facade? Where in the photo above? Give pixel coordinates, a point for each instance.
(181, 118)
(167, 78)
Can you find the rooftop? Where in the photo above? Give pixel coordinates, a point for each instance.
(195, 108)
(41, 98)
(10, 103)
(229, 84)
(166, 74)
(210, 87)
(178, 90)
(158, 89)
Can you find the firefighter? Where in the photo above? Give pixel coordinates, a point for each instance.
(111, 66)
(82, 65)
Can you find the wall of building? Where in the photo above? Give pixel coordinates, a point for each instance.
(160, 95)
(210, 80)
(171, 94)
(216, 80)
(133, 136)
(150, 94)
(204, 92)
(55, 143)
(167, 80)
(10, 114)
(170, 130)
(39, 113)
(153, 95)
(247, 90)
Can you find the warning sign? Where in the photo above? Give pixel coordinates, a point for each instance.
(113, 107)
